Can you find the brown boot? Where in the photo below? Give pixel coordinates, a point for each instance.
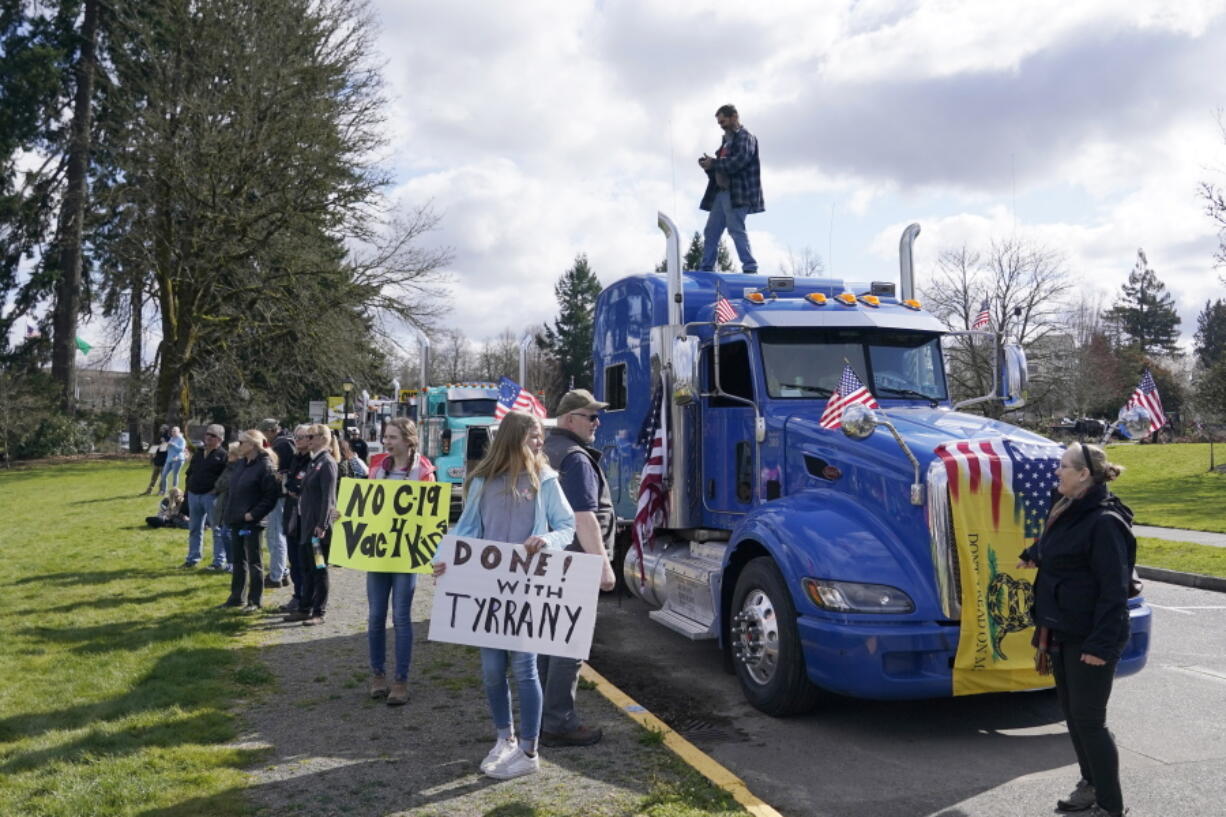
(399, 695)
(378, 686)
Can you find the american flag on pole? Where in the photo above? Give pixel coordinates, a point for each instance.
(984, 317)
(514, 397)
(1146, 396)
(850, 391)
(724, 311)
(653, 499)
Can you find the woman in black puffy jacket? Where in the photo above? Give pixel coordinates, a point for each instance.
(252, 493)
(1085, 559)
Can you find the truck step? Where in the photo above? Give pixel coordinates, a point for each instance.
(684, 625)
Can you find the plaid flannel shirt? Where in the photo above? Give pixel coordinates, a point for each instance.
(743, 171)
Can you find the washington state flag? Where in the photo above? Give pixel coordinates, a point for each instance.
(999, 495)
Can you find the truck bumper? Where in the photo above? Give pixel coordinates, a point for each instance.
(865, 659)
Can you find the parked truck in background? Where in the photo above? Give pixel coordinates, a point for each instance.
(446, 417)
(818, 560)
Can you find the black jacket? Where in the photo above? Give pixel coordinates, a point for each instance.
(318, 496)
(283, 445)
(254, 490)
(1085, 560)
(204, 469)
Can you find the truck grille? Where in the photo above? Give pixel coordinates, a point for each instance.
(944, 548)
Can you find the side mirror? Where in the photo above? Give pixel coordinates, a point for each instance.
(1135, 420)
(685, 370)
(1014, 377)
(858, 421)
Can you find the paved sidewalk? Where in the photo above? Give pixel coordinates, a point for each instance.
(1199, 537)
(333, 751)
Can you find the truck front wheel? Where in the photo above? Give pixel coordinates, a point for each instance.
(765, 643)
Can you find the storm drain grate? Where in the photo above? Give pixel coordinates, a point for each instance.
(701, 730)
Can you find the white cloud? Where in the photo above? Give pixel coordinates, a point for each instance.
(545, 129)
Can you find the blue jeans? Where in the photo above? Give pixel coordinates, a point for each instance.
(200, 516)
(401, 586)
(724, 216)
(222, 539)
(170, 468)
(498, 691)
(274, 535)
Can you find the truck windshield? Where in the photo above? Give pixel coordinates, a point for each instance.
(892, 363)
(471, 408)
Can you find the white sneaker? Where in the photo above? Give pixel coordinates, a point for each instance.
(502, 749)
(516, 764)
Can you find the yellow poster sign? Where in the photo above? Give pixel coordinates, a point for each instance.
(336, 413)
(389, 525)
(998, 497)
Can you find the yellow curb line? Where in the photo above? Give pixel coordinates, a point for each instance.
(707, 766)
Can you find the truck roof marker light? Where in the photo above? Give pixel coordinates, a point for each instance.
(871, 300)
(817, 298)
(755, 297)
(846, 298)
(911, 303)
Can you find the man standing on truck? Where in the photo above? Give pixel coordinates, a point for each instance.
(570, 452)
(734, 189)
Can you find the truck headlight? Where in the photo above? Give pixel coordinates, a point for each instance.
(857, 597)
(456, 472)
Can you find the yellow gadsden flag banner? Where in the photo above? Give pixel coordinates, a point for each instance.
(999, 493)
(389, 525)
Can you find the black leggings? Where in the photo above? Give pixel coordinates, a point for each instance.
(245, 563)
(314, 579)
(1083, 690)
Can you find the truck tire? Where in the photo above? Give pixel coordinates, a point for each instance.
(766, 643)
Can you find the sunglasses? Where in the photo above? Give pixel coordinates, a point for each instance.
(591, 418)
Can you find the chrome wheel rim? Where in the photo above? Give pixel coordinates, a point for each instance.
(756, 636)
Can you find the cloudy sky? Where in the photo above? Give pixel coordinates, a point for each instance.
(541, 129)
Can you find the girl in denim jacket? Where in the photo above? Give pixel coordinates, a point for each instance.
(513, 495)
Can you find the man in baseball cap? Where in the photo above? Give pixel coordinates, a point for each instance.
(570, 452)
(202, 472)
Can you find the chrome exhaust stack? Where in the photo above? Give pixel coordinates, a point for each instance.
(906, 266)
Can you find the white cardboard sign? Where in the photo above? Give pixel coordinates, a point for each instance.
(494, 595)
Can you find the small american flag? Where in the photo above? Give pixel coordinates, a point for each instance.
(1023, 473)
(514, 397)
(984, 317)
(850, 391)
(653, 499)
(1146, 396)
(724, 311)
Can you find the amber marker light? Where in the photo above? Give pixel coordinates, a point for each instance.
(911, 303)
(846, 298)
(871, 300)
(817, 298)
(755, 297)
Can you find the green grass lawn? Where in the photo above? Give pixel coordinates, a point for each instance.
(1185, 556)
(1170, 485)
(118, 672)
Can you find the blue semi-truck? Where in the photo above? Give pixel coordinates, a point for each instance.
(818, 560)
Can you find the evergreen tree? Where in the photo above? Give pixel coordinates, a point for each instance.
(1211, 333)
(1144, 316)
(692, 258)
(569, 340)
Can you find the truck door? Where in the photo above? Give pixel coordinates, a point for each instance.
(727, 430)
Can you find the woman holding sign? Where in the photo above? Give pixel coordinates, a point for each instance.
(402, 462)
(1085, 558)
(513, 495)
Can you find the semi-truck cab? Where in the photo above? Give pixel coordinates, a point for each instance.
(818, 559)
(447, 415)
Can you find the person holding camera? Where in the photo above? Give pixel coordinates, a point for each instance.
(734, 189)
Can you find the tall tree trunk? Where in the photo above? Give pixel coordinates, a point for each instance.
(72, 217)
(135, 364)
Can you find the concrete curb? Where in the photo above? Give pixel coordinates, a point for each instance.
(1197, 580)
(703, 763)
